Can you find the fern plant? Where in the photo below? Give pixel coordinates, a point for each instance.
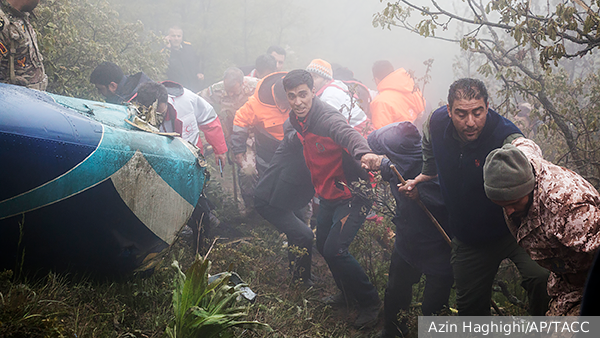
(204, 309)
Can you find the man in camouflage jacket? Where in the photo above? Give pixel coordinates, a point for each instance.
(553, 213)
(21, 60)
(230, 95)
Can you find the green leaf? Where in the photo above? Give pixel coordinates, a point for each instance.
(203, 309)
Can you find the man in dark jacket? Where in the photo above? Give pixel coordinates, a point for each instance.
(184, 63)
(281, 197)
(420, 248)
(331, 150)
(113, 85)
(456, 140)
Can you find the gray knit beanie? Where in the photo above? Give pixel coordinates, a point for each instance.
(507, 174)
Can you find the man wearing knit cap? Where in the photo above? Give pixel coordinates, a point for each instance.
(553, 213)
(336, 93)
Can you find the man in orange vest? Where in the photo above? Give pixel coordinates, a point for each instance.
(264, 113)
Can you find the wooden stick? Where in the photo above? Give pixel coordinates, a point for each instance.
(429, 214)
(438, 226)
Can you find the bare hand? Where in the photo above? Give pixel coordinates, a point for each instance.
(222, 158)
(239, 158)
(370, 161)
(200, 76)
(409, 189)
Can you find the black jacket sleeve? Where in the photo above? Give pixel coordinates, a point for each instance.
(286, 183)
(238, 139)
(386, 170)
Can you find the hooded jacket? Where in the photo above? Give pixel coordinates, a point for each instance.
(398, 100)
(191, 114)
(262, 114)
(417, 240)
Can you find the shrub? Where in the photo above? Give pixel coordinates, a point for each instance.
(204, 309)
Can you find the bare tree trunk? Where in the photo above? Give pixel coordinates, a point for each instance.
(564, 128)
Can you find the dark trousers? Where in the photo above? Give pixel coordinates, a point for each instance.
(398, 294)
(475, 267)
(337, 225)
(298, 234)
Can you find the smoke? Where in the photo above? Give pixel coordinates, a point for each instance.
(342, 32)
(234, 32)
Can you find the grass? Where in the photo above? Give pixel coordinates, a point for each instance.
(72, 306)
(139, 306)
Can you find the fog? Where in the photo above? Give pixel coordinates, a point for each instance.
(234, 32)
(345, 34)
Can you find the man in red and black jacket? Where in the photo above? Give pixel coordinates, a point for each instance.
(336, 154)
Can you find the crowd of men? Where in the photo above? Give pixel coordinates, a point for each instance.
(300, 138)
